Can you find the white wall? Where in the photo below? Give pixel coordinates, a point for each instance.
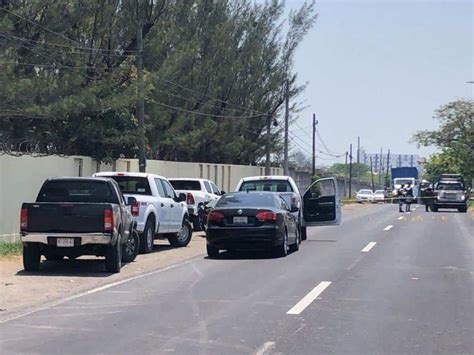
(22, 177)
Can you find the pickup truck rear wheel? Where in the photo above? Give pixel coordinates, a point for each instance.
(303, 233)
(183, 237)
(113, 257)
(31, 257)
(148, 236)
(130, 248)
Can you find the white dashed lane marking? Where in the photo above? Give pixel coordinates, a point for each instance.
(387, 228)
(368, 247)
(309, 298)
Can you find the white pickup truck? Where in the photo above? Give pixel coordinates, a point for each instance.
(197, 191)
(159, 211)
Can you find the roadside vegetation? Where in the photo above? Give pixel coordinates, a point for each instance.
(10, 249)
(455, 139)
(213, 73)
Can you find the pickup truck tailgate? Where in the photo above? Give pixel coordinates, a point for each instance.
(65, 217)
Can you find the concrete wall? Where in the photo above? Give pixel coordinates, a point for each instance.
(22, 177)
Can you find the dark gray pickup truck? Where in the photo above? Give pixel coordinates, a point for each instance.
(79, 216)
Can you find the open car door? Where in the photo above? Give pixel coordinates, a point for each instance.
(321, 204)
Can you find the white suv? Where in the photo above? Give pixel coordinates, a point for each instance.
(197, 191)
(319, 205)
(159, 211)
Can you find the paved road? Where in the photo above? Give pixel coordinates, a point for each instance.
(409, 293)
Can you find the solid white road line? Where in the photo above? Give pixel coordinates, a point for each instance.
(368, 247)
(400, 218)
(309, 298)
(269, 345)
(387, 228)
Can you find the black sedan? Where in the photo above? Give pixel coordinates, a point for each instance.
(252, 220)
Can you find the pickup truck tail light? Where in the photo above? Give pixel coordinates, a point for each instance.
(266, 216)
(135, 208)
(108, 220)
(215, 217)
(24, 219)
(190, 199)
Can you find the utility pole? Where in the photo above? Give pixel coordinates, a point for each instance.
(287, 117)
(350, 172)
(269, 142)
(140, 98)
(387, 181)
(372, 174)
(345, 176)
(315, 122)
(358, 159)
(380, 167)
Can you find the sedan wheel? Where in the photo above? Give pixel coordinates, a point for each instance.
(282, 250)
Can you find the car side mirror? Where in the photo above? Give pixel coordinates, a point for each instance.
(223, 193)
(131, 200)
(294, 209)
(182, 197)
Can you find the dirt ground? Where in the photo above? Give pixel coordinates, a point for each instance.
(20, 290)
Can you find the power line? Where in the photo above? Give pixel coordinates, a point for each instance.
(31, 41)
(198, 112)
(325, 146)
(52, 66)
(55, 33)
(210, 97)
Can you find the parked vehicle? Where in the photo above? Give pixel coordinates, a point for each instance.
(252, 220)
(198, 192)
(159, 211)
(79, 216)
(379, 196)
(450, 192)
(285, 186)
(323, 191)
(203, 212)
(365, 195)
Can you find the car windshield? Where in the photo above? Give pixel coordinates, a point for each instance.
(192, 185)
(452, 186)
(365, 192)
(251, 199)
(403, 181)
(88, 191)
(379, 192)
(267, 185)
(133, 185)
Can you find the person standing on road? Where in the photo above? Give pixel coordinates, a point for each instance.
(408, 197)
(401, 198)
(427, 195)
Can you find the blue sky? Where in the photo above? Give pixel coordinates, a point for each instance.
(378, 69)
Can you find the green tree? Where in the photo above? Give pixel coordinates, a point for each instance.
(455, 138)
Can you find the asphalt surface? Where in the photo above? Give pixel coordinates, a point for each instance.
(361, 288)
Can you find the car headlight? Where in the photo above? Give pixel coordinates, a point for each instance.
(463, 198)
(438, 197)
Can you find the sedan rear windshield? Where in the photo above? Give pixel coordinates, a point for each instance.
(133, 185)
(267, 185)
(365, 192)
(192, 185)
(246, 200)
(88, 191)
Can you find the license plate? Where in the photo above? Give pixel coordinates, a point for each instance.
(240, 220)
(65, 242)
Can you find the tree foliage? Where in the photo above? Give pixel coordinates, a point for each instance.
(213, 71)
(455, 138)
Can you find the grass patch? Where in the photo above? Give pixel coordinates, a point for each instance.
(7, 249)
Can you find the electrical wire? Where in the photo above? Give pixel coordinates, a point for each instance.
(31, 41)
(198, 112)
(55, 33)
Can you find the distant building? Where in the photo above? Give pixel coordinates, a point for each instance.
(379, 162)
